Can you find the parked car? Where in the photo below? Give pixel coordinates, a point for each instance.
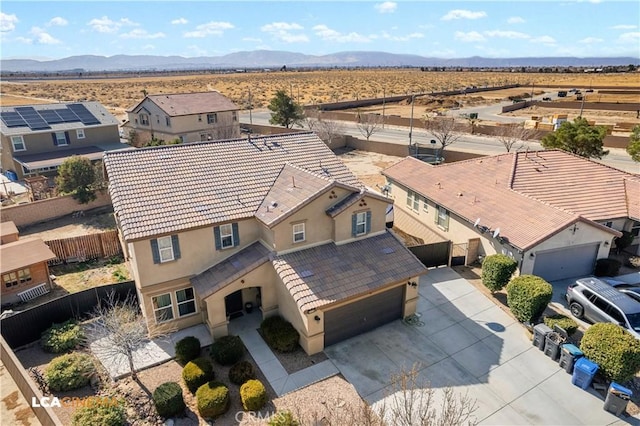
(598, 301)
(546, 99)
(630, 289)
(632, 292)
(589, 90)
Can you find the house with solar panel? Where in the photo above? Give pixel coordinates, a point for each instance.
(189, 117)
(36, 139)
(272, 225)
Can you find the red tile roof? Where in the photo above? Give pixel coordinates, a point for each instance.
(191, 103)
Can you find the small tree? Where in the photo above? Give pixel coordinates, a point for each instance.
(284, 110)
(368, 124)
(443, 130)
(528, 297)
(634, 144)
(77, 176)
(512, 134)
(328, 130)
(577, 137)
(497, 270)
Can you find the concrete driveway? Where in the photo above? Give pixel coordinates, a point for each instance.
(468, 343)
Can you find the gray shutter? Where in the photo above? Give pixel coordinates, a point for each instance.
(236, 234)
(437, 210)
(66, 136)
(216, 235)
(176, 247)
(368, 222)
(354, 222)
(55, 140)
(154, 251)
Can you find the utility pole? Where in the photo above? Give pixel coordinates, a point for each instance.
(411, 123)
(250, 109)
(384, 96)
(533, 85)
(582, 105)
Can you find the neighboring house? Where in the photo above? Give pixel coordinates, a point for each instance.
(190, 117)
(278, 222)
(24, 268)
(555, 213)
(36, 139)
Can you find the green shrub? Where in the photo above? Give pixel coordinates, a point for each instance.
(100, 414)
(69, 371)
(227, 350)
(253, 395)
(241, 372)
(212, 399)
(62, 337)
(279, 334)
(168, 399)
(283, 418)
(187, 349)
(562, 321)
(497, 269)
(615, 350)
(607, 268)
(197, 372)
(528, 296)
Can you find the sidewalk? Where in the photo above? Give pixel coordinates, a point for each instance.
(14, 409)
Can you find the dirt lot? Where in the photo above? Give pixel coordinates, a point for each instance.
(367, 166)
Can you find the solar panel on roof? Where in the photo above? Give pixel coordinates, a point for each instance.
(32, 118)
(68, 116)
(51, 116)
(83, 113)
(12, 119)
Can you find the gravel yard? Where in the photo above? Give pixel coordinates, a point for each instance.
(368, 165)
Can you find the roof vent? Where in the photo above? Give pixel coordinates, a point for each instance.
(306, 274)
(273, 204)
(388, 250)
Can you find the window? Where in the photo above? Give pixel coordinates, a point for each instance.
(212, 118)
(442, 218)
(425, 206)
(635, 229)
(608, 224)
(144, 119)
(165, 247)
(60, 139)
(10, 279)
(226, 236)
(162, 307)
(361, 223)
(298, 232)
(413, 200)
(199, 118)
(24, 275)
(18, 143)
(186, 302)
(167, 121)
(157, 119)
(80, 133)
(235, 116)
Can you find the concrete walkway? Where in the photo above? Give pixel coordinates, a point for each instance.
(281, 381)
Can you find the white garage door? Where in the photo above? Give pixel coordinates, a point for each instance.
(566, 263)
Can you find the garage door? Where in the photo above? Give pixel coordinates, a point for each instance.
(363, 315)
(566, 263)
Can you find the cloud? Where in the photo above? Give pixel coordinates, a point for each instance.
(7, 22)
(208, 29)
(24, 40)
(507, 34)
(252, 39)
(407, 37)
(631, 37)
(471, 36)
(57, 21)
(328, 34)
(281, 26)
(386, 7)
(139, 33)
(283, 31)
(515, 20)
(179, 21)
(543, 39)
(591, 40)
(463, 14)
(42, 37)
(106, 25)
(624, 27)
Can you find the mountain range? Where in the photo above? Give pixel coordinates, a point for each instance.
(271, 59)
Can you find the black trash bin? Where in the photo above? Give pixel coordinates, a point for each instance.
(617, 398)
(568, 355)
(552, 345)
(540, 332)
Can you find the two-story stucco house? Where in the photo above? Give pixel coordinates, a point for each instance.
(190, 117)
(36, 139)
(554, 212)
(278, 222)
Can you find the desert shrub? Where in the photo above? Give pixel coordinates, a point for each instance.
(62, 337)
(607, 268)
(615, 350)
(69, 371)
(212, 399)
(283, 418)
(528, 296)
(168, 399)
(187, 349)
(562, 321)
(227, 350)
(497, 270)
(241, 372)
(279, 334)
(100, 414)
(253, 395)
(197, 372)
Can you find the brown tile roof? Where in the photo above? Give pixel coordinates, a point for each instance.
(24, 252)
(8, 228)
(328, 273)
(230, 269)
(191, 103)
(165, 189)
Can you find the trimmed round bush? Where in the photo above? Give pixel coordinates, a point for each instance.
(607, 268)
(100, 414)
(197, 372)
(62, 337)
(241, 372)
(253, 395)
(614, 349)
(227, 350)
(283, 418)
(212, 399)
(528, 297)
(168, 399)
(187, 349)
(497, 270)
(279, 334)
(69, 371)
(562, 321)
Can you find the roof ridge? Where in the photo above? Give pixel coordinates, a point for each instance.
(589, 160)
(186, 93)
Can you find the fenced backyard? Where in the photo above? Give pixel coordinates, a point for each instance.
(86, 247)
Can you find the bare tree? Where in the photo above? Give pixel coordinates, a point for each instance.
(328, 130)
(513, 135)
(473, 121)
(443, 130)
(368, 124)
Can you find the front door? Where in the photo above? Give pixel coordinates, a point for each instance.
(233, 303)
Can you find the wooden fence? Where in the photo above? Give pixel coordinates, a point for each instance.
(85, 247)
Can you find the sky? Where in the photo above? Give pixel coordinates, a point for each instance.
(444, 29)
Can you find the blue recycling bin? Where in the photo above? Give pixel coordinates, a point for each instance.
(584, 371)
(617, 399)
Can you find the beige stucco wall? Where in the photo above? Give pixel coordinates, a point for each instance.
(378, 210)
(177, 323)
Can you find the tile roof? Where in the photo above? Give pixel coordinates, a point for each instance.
(191, 103)
(24, 252)
(165, 189)
(328, 273)
(8, 228)
(230, 269)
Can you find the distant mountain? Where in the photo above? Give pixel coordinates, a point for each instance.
(273, 59)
